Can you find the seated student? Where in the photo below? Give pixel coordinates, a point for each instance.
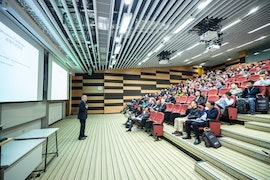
(208, 113)
(263, 80)
(235, 90)
(193, 113)
(200, 99)
(162, 106)
(134, 114)
(157, 105)
(225, 102)
(249, 95)
(141, 118)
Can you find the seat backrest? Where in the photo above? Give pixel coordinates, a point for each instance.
(213, 98)
(153, 115)
(190, 98)
(219, 113)
(159, 118)
(177, 108)
(234, 101)
(183, 99)
(212, 92)
(204, 92)
(243, 78)
(252, 70)
(184, 109)
(222, 91)
(201, 107)
(177, 99)
(254, 77)
(169, 107)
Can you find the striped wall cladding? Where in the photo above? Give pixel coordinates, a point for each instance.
(108, 91)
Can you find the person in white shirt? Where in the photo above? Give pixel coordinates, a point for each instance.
(225, 101)
(235, 90)
(263, 81)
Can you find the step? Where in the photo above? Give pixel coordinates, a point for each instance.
(258, 126)
(264, 118)
(251, 136)
(251, 150)
(234, 163)
(209, 171)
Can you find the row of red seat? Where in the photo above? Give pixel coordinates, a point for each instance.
(157, 118)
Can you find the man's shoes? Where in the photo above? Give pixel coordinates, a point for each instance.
(252, 113)
(85, 136)
(82, 138)
(128, 130)
(197, 141)
(186, 137)
(179, 133)
(175, 132)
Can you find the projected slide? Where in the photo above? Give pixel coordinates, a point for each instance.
(59, 83)
(18, 67)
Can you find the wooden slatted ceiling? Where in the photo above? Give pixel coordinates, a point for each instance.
(109, 152)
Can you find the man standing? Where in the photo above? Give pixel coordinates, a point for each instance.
(82, 116)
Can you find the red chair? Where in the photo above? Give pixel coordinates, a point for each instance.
(214, 125)
(222, 91)
(177, 99)
(190, 98)
(266, 68)
(183, 99)
(158, 126)
(213, 98)
(243, 84)
(184, 109)
(205, 92)
(169, 107)
(153, 115)
(177, 108)
(262, 90)
(243, 78)
(201, 107)
(254, 77)
(252, 70)
(212, 92)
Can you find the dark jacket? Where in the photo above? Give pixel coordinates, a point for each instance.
(250, 92)
(194, 113)
(211, 113)
(144, 115)
(162, 108)
(200, 100)
(82, 114)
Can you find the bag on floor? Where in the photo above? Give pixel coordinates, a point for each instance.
(262, 104)
(241, 106)
(128, 124)
(210, 140)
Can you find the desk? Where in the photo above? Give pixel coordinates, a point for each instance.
(42, 134)
(20, 158)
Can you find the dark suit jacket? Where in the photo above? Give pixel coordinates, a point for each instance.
(82, 114)
(200, 100)
(162, 108)
(251, 92)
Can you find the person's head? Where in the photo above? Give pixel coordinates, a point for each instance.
(158, 101)
(193, 104)
(234, 85)
(262, 76)
(228, 94)
(162, 101)
(210, 104)
(84, 98)
(146, 109)
(198, 93)
(250, 83)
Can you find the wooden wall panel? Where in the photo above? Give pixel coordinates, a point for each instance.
(119, 87)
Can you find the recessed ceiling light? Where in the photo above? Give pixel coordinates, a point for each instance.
(183, 25)
(229, 59)
(217, 54)
(252, 11)
(127, 2)
(230, 25)
(204, 4)
(193, 46)
(259, 28)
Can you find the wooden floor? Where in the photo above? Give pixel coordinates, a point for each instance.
(109, 152)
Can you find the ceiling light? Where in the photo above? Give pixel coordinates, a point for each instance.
(191, 47)
(145, 60)
(256, 53)
(231, 24)
(127, 2)
(186, 60)
(118, 39)
(125, 22)
(182, 26)
(224, 44)
(113, 61)
(260, 38)
(229, 59)
(204, 4)
(166, 39)
(117, 48)
(266, 50)
(110, 66)
(217, 54)
(259, 28)
(174, 56)
(230, 49)
(149, 54)
(103, 23)
(140, 63)
(252, 11)
(245, 44)
(196, 56)
(158, 48)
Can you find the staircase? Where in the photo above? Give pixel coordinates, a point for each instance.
(245, 151)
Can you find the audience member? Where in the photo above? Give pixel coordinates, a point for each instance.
(141, 119)
(263, 81)
(200, 99)
(225, 101)
(235, 90)
(249, 95)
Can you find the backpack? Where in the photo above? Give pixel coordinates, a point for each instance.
(241, 106)
(210, 140)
